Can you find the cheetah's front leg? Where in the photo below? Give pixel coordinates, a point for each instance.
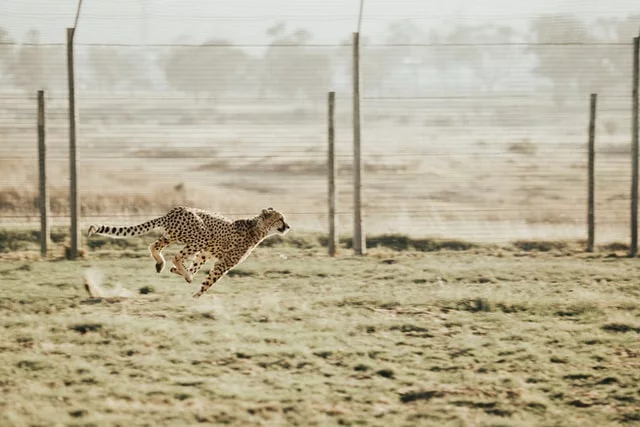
(219, 269)
(198, 262)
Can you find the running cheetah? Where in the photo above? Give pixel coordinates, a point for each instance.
(206, 235)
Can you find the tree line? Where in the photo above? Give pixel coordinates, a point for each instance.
(560, 53)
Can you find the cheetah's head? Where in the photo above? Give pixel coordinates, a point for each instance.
(274, 221)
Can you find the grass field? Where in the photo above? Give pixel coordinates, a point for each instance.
(452, 334)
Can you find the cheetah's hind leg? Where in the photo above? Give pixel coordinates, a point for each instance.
(174, 270)
(156, 251)
(186, 252)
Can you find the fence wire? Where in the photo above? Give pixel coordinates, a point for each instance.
(471, 130)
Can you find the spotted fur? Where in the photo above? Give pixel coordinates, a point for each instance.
(205, 235)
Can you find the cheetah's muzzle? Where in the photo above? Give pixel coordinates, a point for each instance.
(284, 228)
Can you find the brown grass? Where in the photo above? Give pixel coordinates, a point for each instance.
(500, 188)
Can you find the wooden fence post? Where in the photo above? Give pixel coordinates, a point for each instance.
(73, 190)
(359, 239)
(633, 250)
(331, 161)
(591, 172)
(43, 198)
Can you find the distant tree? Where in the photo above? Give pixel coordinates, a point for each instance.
(117, 69)
(6, 57)
(616, 61)
(407, 55)
(36, 66)
(620, 29)
(209, 69)
(392, 64)
(289, 68)
(483, 51)
(378, 65)
(28, 68)
(579, 68)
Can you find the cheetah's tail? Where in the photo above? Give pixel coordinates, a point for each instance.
(134, 230)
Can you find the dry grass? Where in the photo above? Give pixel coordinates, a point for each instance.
(421, 178)
(483, 336)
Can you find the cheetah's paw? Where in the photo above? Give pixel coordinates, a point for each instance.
(188, 278)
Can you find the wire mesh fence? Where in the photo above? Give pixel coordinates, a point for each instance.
(470, 130)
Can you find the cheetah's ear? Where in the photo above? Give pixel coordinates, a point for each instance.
(264, 212)
(269, 208)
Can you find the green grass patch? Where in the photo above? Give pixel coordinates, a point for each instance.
(621, 327)
(541, 245)
(401, 242)
(24, 240)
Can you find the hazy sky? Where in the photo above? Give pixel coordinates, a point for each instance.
(245, 21)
